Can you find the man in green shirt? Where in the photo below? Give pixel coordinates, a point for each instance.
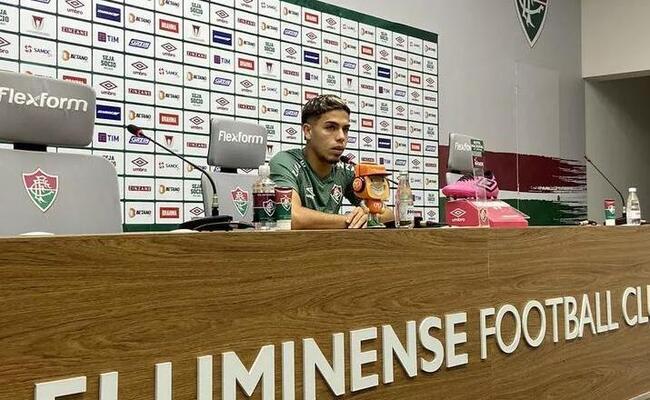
(318, 178)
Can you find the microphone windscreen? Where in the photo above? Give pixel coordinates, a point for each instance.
(134, 130)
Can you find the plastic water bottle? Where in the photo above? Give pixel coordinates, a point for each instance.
(403, 202)
(264, 200)
(633, 208)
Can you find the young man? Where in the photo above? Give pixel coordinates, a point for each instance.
(318, 178)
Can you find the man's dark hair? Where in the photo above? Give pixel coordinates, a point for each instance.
(322, 104)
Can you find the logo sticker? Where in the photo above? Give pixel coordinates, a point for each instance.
(240, 200)
(42, 188)
(532, 15)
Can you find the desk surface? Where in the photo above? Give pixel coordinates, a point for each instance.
(86, 305)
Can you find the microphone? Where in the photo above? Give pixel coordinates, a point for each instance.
(623, 219)
(136, 131)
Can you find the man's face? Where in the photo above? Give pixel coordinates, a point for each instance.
(328, 135)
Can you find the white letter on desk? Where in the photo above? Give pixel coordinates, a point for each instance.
(600, 328)
(164, 381)
(503, 310)
(432, 344)
(234, 371)
(452, 339)
(586, 317)
(392, 345)
(108, 386)
(628, 320)
(313, 358)
(554, 303)
(204, 378)
(288, 371)
(63, 387)
(485, 331)
(358, 358)
(639, 301)
(611, 325)
(570, 315)
(536, 342)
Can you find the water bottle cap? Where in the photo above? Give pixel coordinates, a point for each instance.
(264, 170)
(632, 190)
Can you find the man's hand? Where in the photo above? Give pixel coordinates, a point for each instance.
(357, 218)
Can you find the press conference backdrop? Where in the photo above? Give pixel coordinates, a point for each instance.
(171, 65)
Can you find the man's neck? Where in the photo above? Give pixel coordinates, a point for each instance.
(322, 168)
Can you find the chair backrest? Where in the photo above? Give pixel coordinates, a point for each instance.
(45, 191)
(234, 145)
(460, 161)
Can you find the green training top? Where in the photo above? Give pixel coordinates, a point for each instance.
(290, 168)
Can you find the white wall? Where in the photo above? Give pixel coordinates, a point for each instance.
(485, 59)
(618, 141)
(615, 38)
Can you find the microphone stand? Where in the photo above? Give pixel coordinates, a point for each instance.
(215, 222)
(623, 219)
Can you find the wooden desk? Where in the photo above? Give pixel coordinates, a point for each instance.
(88, 305)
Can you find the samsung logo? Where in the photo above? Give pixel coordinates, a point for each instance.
(141, 44)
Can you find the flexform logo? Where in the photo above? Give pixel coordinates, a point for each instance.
(42, 100)
(169, 26)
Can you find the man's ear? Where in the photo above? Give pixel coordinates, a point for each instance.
(306, 131)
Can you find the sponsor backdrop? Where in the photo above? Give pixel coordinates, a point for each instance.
(170, 66)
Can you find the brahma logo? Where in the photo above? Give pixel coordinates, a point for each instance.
(75, 79)
(169, 26)
(169, 212)
(311, 18)
(310, 95)
(168, 119)
(240, 200)
(42, 100)
(369, 51)
(367, 123)
(416, 147)
(42, 188)
(246, 64)
(415, 79)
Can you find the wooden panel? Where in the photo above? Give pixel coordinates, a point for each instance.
(86, 305)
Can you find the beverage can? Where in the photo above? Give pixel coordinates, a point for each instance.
(283, 206)
(610, 212)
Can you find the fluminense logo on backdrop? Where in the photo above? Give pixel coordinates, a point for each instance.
(43, 100)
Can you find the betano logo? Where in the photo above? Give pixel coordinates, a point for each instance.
(239, 137)
(43, 100)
